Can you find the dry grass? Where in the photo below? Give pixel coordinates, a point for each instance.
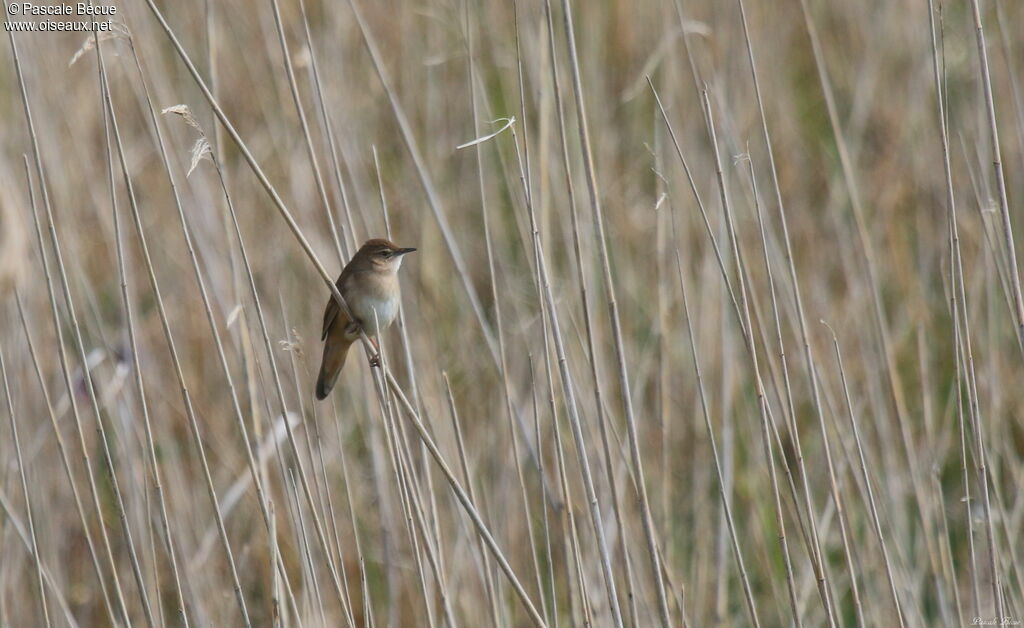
(608, 400)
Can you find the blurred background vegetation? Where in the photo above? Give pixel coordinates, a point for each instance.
(355, 523)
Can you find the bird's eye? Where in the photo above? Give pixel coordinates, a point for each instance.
(385, 254)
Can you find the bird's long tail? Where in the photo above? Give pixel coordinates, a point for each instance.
(335, 352)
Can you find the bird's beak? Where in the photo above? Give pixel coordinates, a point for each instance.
(404, 251)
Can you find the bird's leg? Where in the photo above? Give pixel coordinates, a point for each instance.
(354, 328)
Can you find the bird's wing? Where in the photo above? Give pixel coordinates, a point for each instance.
(333, 312)
(330, 314)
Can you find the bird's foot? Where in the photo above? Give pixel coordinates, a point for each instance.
(375, 361)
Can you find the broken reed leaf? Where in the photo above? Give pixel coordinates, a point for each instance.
(200, 151)
(480, 140)
(118, 31)
(293, 343)
(186, 115)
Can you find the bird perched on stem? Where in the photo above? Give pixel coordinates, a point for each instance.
(369, 285)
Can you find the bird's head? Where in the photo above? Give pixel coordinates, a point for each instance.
(381, 254)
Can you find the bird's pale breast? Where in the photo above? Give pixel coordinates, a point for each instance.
(374, 300)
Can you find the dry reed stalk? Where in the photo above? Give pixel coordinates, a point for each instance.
(65, 366)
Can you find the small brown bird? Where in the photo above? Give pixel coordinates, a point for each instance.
(369, 284)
